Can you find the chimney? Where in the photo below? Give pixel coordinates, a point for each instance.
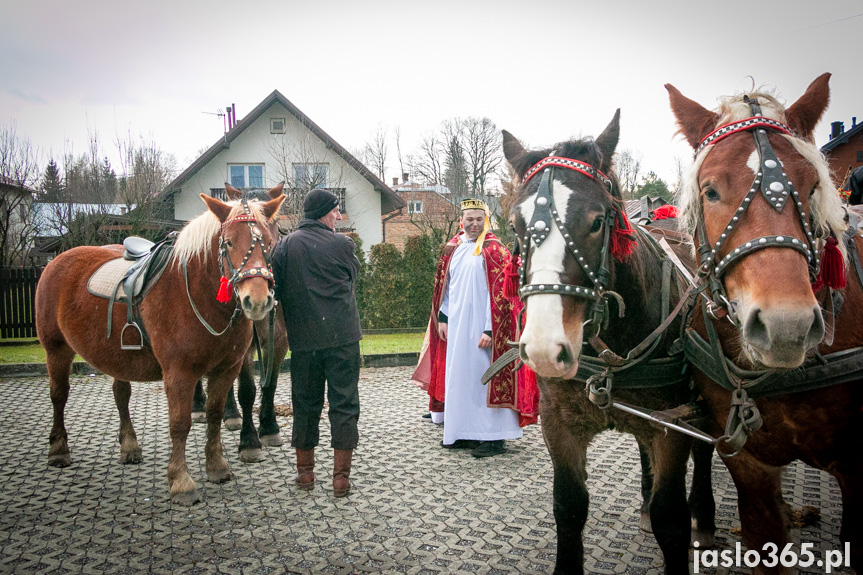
(836, 129)
(405, 177)
(853, 121)
(234, 112)
(231, 119)
(395, 181)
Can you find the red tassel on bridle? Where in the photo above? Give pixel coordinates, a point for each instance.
(224, 295)
(510, 278)
(622, 242)
(832, 273)
(665, 212)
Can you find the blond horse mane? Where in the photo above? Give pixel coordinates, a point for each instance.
(825, 205)
(196, 238)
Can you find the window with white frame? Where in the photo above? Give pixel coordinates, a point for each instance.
(311, 176)
(277, 125)
(415, 207)
(244, 176)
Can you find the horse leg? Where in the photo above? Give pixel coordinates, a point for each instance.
(130, 451)
(646, 488)
(852, 509)
(179, 393)
(702, 506)
(232, 418)
(669, 514)
(59, 358)
(199, 402)
(218, 387)
(269, 427)
(569, 459)
(250, 445)
(763, 515)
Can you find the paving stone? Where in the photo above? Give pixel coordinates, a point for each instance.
(414, 508)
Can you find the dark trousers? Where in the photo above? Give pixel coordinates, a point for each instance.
(339, 367)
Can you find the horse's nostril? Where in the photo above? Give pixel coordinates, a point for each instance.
(247, 302)
(563, 356)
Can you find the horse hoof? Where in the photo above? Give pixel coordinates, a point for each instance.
(274, 440)
(251, 455)
(233, 424)
(187, 498)
(705, 539)
(60, 460)
(219, 476)
(133, 456)
(644, 523)
(199, 417)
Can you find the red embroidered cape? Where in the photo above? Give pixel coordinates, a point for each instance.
(505, 390)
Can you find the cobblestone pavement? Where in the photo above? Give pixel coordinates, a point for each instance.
(415, 508)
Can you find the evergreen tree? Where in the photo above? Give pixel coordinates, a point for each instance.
(52, 184)
(107, 182)
(455, 174)
(654, 186)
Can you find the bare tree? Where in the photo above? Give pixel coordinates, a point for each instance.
(426, 164)
(627, 166)
(398, 131)
(482, 145)
(19, 175)
(679, 172)
(375, 152)
(304, 164)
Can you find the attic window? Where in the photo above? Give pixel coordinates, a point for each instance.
(277, 125)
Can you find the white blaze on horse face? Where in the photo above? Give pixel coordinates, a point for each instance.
(544, 334)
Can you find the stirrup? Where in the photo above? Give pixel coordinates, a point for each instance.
(136, 347)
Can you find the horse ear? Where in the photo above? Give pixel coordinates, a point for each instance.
(803, 115)
(518, 158)
(272, 207)
(607, 141)
(219, 208)
(277, 191)
(694, 120)
(232, 192)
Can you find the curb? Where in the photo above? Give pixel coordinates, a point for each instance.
(10, 370)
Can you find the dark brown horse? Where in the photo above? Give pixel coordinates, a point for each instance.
(566, 213)
(226, 240)
(273, 343)
(767, 219)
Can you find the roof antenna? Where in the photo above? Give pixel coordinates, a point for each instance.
(221, 114)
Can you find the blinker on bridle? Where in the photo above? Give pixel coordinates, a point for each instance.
(776, 189)
(545, 213)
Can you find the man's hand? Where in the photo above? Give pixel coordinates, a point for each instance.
(485, 341)
(441, 331)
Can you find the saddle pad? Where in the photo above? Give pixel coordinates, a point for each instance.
(105, 280)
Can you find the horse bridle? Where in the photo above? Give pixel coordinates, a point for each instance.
(235, 276)
(545, 212)
(776, 188)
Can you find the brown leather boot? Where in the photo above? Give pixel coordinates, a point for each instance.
(342, 471)
(305, 469)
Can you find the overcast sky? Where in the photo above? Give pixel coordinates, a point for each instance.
(544, 70)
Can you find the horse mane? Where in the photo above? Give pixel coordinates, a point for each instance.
(825, 205)
(196, 238)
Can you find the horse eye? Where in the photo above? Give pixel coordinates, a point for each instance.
(597, 225)
(229, 244)
(711, 195)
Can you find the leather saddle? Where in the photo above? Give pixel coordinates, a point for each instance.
(131, 278)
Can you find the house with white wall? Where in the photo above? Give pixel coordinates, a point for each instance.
(276, 142)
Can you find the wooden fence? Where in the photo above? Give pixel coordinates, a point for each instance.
(17, 298)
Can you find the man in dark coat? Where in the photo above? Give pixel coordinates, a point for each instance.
(316, 272)
(855, 184)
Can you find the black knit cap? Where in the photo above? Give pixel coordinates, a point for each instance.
(319, 203)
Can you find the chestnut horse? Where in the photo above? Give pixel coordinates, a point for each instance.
(767, 218)
(229, 239)
(272, 337)
(566, 214)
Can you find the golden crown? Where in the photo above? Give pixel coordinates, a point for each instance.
(473, 204)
